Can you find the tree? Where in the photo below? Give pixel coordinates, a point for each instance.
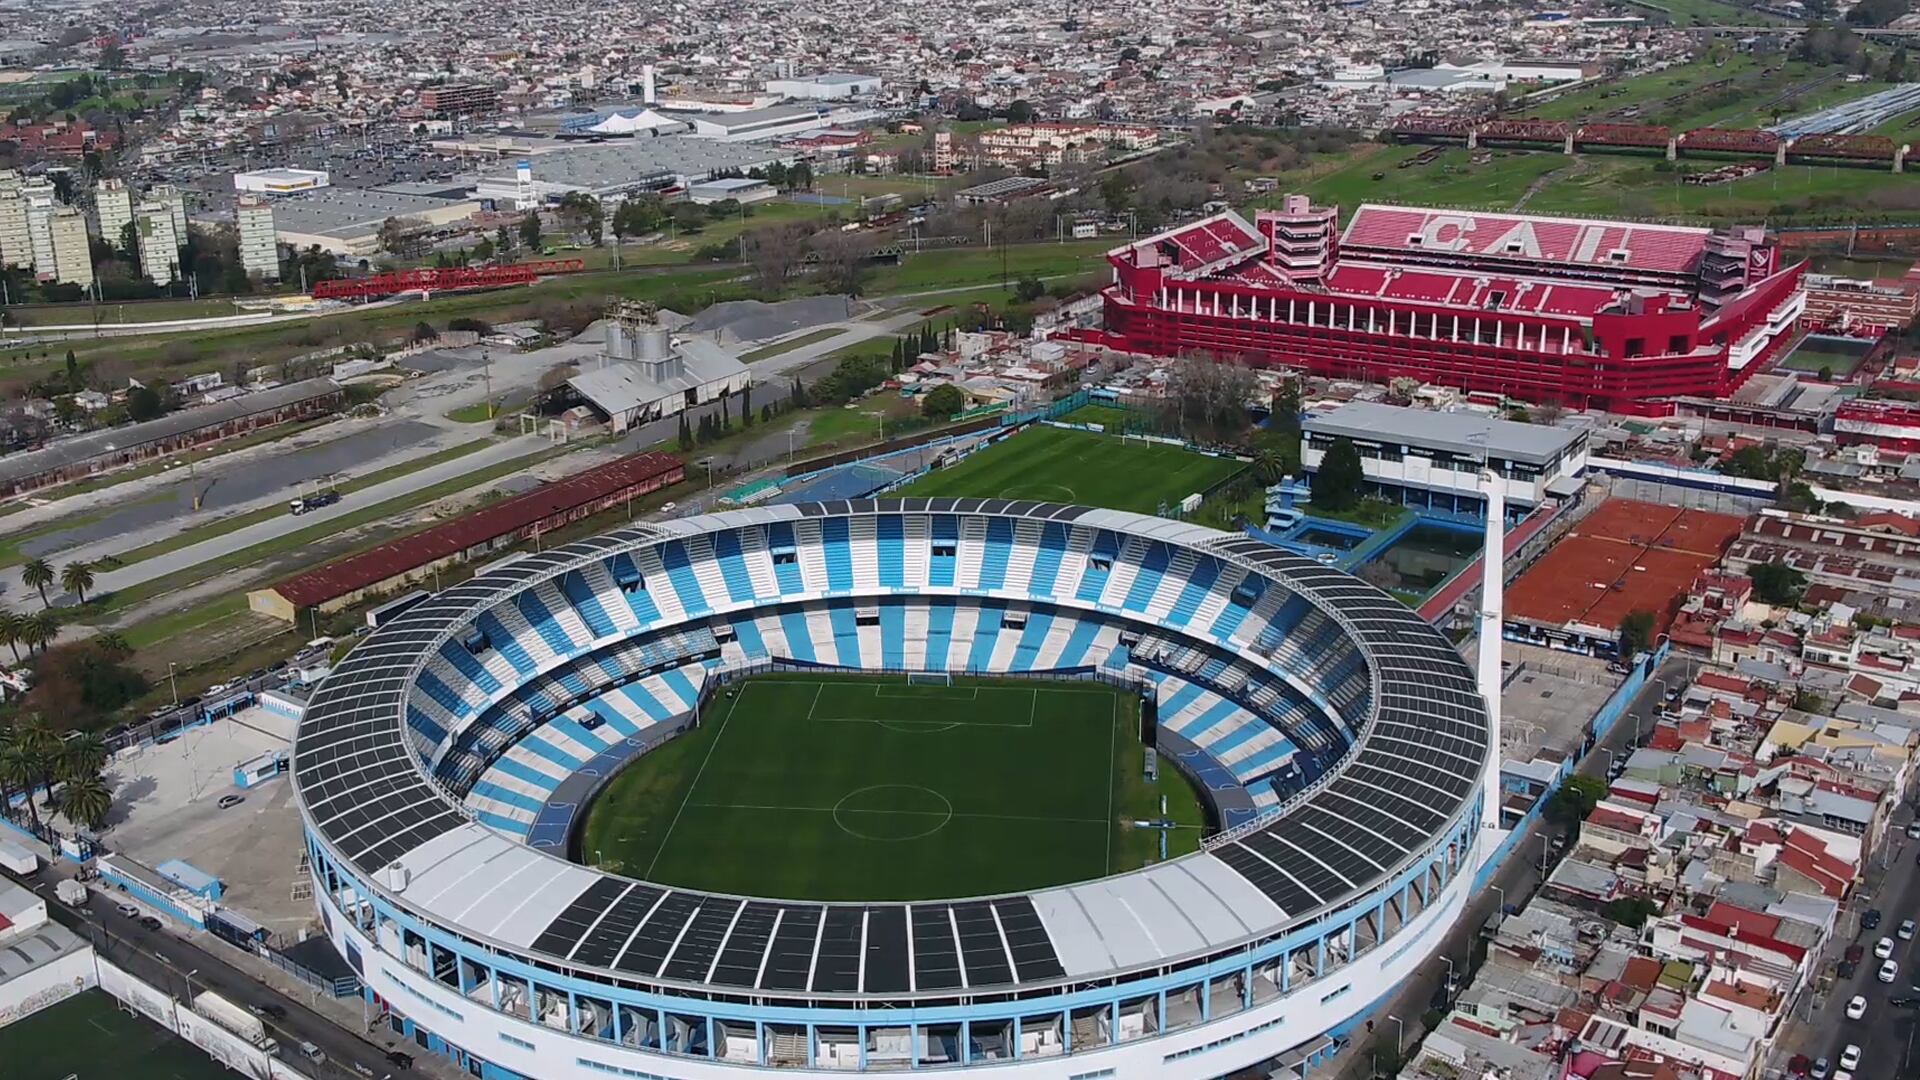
(1631, 912)
(424, 331)
(746, 406)
(843, 260)
(145, 403)
(686, 436)
(530, 230)
(86, 800)
(40, 630)
(1020, 112)
(1207, 400)
(1635, 634)
(12, 626)
(800, 176)
(17, 772)
(502, 241)
(774, 252)
(130, 242)
(1339, 482)
(1575, 798)
(1777, 583)
(112, 56)
(944, 402)
(81, 755)
(38, 574)
(1028, 289)
(1268, 467)
(392, 236)
(77, 578)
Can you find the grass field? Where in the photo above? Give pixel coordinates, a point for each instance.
(1056, 465)
(868, 788)
(87, 1037)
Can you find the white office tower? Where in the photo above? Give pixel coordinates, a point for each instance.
(40, 203)
(647, 89)
(159, 243)
(16, 247)
(259, 251)
(1492, 596)
(114, 204)
(524, 197)
(72, 251)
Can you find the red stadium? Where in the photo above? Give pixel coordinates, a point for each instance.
(1592, 314)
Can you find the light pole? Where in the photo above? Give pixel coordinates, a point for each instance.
(1543, 857)
(174, 683)
(1399, 1036)
(1502, 893)
(1448, 960)
(1609, 754)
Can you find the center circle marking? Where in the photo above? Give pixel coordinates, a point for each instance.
(913, 821)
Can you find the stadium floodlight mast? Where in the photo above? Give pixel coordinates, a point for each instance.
(1492, 584)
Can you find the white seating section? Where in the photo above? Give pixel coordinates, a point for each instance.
(624, 642)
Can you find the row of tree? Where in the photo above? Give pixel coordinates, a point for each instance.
(38, 763)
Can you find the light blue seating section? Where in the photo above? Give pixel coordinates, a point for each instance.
(1252, 674)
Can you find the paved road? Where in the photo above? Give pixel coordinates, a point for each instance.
(173, 963)
(1512, 884)
(1886, 1035)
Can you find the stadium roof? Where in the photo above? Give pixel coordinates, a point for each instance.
(1412, 776)
(1466, 434)
(356, 572)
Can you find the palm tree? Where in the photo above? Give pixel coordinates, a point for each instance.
(77, 578)
(6, 781)
(81, 756)
(114, 642)
(18, 775)
(86, 800)
(40, 630)
(12, 625)
(1267, 466)
(38, 574)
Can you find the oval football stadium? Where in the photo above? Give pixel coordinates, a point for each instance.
(895, 785)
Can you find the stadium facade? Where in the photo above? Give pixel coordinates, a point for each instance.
(1591, 314)
(1342, 739)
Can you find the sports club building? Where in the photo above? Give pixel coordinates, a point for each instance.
(1591, 314)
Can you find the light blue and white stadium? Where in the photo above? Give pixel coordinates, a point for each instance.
(1343, 741)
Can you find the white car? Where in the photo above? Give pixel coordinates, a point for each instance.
(1906, 930)
(1883, 948)
(127, 910)
(1913, 829)
(1856, 1008)
(1850, 1057)
(1889, 970)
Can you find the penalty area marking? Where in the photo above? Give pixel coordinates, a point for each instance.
(926, 727)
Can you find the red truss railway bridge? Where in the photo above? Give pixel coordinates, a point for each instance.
(1569, 137)
(429, 281)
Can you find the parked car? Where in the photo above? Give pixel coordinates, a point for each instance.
(1850, 1057)
(1857, 1007)
(399, 1059)
(1822, 1069)
(1889, 970)
(228, 802)
(150, 923)
(1883, 948)
(1913, 829)
(1871, 920)
(312, 1053)
(1905, 933)
(128, 910)
(269, 1010)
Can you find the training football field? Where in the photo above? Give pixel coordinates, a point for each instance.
(88, 1037)
(870, 788)
(1061, 465)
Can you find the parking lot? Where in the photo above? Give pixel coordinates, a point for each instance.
(167, 806)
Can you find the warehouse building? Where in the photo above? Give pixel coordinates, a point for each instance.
(98, 451)
(347, 222)
(401, 563)
(613, 170)
(828, 87)
(634, 372)
(280, 181)
(776, 122)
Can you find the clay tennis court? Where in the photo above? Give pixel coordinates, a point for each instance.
(1624, 556)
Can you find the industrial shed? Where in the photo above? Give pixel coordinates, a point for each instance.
(409, 559)
(99, 451)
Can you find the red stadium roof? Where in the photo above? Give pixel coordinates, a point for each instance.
(1613, 244)
(503, 518)
(1220, 238)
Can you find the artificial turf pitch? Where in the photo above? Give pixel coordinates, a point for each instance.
(88, 1037)
(1050, 464)
(870, 788)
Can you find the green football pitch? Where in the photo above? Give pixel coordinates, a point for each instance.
(810, 787)
(1051, 464)
(88, 1037)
